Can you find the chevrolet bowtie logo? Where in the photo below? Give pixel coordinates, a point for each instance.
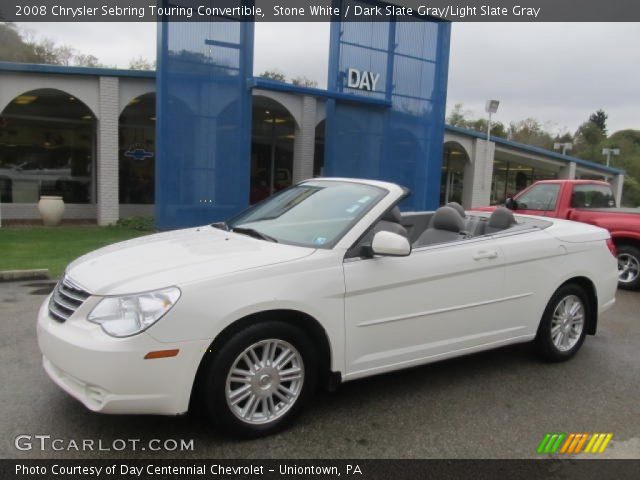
(574, 443)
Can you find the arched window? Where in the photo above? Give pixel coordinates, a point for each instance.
(137, 150)
(454, 163)
(318, 153)
(47, 147)
(272, 138)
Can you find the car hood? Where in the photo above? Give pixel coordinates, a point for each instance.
(175, 258)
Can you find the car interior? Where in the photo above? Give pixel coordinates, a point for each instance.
(447, 224)
(592, 199)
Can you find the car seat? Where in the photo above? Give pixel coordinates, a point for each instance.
(391, 221)
(447, 226)
(458, 208)
(501, 219)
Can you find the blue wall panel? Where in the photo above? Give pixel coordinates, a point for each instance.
(402, 143)
(203, 121)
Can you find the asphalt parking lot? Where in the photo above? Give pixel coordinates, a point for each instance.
(496, 404)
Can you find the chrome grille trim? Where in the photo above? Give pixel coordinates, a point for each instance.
(67, 297)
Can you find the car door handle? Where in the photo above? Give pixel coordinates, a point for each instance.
(482, 254)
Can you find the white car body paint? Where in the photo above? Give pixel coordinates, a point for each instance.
(379, 314)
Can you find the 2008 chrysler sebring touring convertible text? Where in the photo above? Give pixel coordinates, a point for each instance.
(324, 282)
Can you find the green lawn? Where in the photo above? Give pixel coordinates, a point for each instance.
(54, 247)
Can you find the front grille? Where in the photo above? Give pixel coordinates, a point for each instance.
(66, 299)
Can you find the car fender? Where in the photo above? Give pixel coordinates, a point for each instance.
(314, 287)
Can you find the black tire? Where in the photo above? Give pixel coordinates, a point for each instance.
(544, 343)
(213, 378)
(629, 252)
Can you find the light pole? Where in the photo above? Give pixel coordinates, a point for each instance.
(610, 151)
(491, 107)
(565, 147)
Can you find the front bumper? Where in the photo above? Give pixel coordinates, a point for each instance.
(110, 375)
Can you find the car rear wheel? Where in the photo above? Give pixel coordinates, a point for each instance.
(628, 267)
(259, 379)
(564, 324)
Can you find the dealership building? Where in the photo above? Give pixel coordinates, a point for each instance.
(93, 136)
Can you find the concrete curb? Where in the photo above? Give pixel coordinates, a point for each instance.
(17, 275)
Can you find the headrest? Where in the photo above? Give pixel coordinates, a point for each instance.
(393, 215)
(458, 208)
(501, 218)
(447, 218)
(578, 199)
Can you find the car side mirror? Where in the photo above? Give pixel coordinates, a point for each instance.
(511, 204)
(390, 244)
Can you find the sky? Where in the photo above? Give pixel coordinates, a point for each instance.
(557, 73)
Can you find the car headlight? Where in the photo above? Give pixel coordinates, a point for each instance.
(126, 315)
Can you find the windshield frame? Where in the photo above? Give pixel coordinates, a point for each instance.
(329, 245)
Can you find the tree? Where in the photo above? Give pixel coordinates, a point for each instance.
(83, 60)
(480, 125)
(530, 132)
(566, 137)
(12, 46)
(303, 81)
(275, 75)
(588, 135)
(65, 54)
(628, 141)
(457, 116)
(600, 119)
(141, 63)
(22, 46)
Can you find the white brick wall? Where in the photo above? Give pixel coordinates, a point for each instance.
(29, 211)
(478, 173)
(107, 168)
(72, 211)
(305, 141)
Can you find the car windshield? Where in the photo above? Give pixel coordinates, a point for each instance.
(312, 214)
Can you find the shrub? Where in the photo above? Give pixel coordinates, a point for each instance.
(143, 224)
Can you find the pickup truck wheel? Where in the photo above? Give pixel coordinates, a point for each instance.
(628, 267)
(260, 379)
(564, 324)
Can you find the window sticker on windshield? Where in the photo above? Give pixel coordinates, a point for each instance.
(353, 208)
(364, 199)
(320, 240)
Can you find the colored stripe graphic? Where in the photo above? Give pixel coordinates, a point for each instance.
(605, 442)
(568, 442)
(543, 443)
(574, 442)
(598, 442)
(551, 442)
(581, 442)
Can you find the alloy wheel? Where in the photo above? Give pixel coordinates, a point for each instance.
(567, 323)
(628, 268)
(264, 381)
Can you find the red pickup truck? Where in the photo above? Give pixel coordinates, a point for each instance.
(593, 202)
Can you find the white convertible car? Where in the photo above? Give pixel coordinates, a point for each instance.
(322, 283)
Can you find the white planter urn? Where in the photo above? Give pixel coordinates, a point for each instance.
(51, 210)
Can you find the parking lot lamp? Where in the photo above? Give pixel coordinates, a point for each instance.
(491, 107)
(610, 151)
(565, 147)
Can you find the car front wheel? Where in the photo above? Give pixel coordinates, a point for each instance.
(628, 267)
(259, 379)
(564, 324)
